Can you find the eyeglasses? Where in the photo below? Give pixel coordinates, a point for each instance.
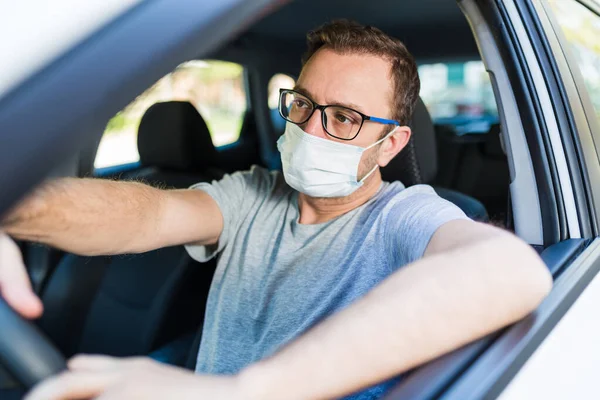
(338, 121)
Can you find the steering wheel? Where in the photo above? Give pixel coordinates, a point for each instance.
(25, 351)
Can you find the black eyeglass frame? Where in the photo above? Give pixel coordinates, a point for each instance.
(322, 108)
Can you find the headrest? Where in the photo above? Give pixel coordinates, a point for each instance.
(417, 162)
(173, 135)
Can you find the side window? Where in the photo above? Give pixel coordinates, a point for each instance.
(215, 88)
(581, 27)
(459, 94)
(278, 81)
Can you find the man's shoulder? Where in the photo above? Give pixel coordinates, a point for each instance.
(254, 177)
(261, 173)
(396, 191)
(253, 184)
(262, 183)
(421, 200)
(411, 216)
(261, 177)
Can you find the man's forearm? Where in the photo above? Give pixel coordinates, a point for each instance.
(88, 216)
(420, 312)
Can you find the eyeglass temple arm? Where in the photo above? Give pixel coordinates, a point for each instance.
(382, 120)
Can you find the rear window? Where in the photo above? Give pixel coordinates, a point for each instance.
(459, 94)
(215, 88)
(278, 81)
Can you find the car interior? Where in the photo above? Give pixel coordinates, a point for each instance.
(153, 303)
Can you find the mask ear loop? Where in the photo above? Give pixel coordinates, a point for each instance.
(369, 174)
(382, 139)
(375, 144)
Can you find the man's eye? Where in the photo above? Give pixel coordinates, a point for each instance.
(301, 103)
(344, 119)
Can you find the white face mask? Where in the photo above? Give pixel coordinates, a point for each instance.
(320, 167)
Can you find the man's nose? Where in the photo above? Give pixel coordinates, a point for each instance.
(314, 126)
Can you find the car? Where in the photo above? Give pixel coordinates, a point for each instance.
(173, 93)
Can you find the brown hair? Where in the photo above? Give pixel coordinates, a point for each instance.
(343, 36)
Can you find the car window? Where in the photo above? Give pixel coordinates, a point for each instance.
(459, 94)
(278, 81)
(215, 88)
(582, 29)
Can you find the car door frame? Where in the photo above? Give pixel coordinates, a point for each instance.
(484, 368)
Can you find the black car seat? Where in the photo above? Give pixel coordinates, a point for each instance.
(417, 164)
(175, 146)
(483, 172)
(133, 304)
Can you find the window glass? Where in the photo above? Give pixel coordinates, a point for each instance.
(278, 81)
(459, 94)
(215, 88)
(582, 29)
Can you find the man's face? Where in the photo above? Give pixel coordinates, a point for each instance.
(358, 81)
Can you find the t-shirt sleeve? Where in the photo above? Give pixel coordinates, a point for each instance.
(412, 218)
(234, 194)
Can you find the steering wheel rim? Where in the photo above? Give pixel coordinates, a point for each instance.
(25, 351)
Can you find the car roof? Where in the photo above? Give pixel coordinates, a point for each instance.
(429, 28)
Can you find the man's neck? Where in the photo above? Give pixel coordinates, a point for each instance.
(320, 209)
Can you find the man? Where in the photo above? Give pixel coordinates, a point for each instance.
(329, 281)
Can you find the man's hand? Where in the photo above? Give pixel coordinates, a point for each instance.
(15, 287)
(108, 378)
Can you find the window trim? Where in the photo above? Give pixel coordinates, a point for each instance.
(524, 187)
(583, 114)
(548, 117)
(592, 5)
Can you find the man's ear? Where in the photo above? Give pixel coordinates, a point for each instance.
(393, 145)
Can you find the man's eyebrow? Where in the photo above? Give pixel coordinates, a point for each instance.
(353, 106)
(303, 91)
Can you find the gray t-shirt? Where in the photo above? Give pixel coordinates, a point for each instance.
(276, 278)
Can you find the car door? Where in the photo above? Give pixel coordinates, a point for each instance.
(532, 49)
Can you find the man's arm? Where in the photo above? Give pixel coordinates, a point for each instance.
(474, 280)
(94, 216)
